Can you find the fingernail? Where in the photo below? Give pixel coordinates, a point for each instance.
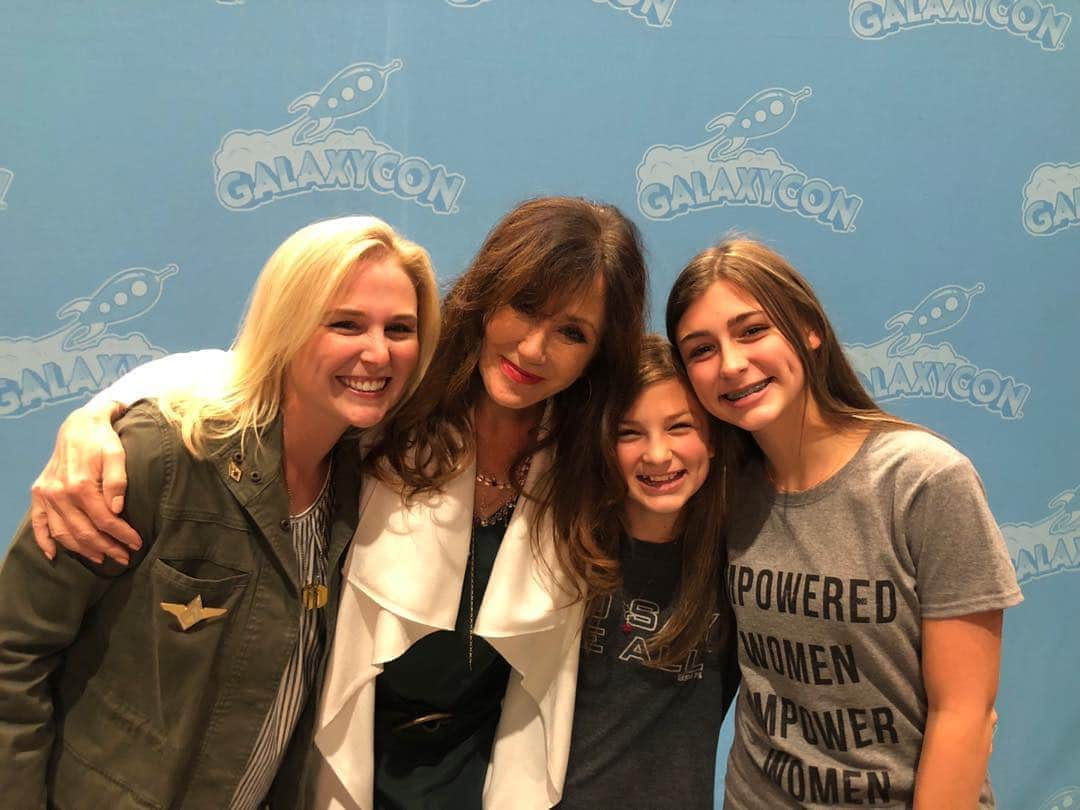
(100, 559)
(118, 504)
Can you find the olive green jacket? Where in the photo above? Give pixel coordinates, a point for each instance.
(104, 700)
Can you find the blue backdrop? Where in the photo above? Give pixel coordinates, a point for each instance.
(917, 159)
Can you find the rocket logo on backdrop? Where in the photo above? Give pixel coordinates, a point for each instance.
(676, 180)
(654, 13)
(6, 176)
(1052, 199)
(1065, 799)
(253, 168)
(1050, 546)
(905, 365)
(81, 357)
(1036, 21)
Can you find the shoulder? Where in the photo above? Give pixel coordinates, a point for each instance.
(910, 452)
(910, 469)
(153, 450)
(143, 429)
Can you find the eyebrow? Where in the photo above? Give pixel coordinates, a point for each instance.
(582, 322)
(359, 313)
(670, 418)
(742, 316)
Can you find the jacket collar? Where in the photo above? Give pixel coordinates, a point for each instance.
(411, 559)
(251, 469)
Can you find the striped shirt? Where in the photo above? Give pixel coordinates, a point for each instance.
(310, 530)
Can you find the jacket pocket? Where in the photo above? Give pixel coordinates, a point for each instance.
(194, 603)
(133, 726)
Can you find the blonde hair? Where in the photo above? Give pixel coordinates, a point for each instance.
(295, 289)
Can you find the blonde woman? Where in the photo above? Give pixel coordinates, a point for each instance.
(451, 682)
(188, 678)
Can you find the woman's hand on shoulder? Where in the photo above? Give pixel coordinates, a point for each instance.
(77, 498)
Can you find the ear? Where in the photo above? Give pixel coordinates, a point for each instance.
(813, 340)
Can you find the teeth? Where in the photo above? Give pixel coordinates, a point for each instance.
(368, 386)
(660, 479)
(753, 389)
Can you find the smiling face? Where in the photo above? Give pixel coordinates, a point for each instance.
(663, 453)
(356, 365)
(742, 368)
(526, 358)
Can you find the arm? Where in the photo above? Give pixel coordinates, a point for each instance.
(960, 670)
(42, 606)
(77, 499)
(964, 579)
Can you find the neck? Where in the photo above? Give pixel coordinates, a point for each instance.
(801, 458)
(652, 527)
(502, 434)
(306, 445)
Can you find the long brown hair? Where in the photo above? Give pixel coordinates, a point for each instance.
(700, 523)
(541, 255)
(793, 308)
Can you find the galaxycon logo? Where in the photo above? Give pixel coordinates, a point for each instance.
(905, 365)
(675, 180)
(6, 176)
(310, 153)
(1052, 199)
(654, 13)
(81, 357)
(1036, 21)
(1050, 546)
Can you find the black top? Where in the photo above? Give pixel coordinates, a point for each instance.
(442, 763)
(644, 737)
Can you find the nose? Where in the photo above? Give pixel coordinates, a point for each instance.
(732, 360)
(533, 345)
(657, 451)
(376, 350)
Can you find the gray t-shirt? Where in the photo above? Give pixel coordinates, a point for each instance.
(829, 588)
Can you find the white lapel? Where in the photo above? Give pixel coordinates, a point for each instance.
(527, 592)
(411, 559)
(403, 579)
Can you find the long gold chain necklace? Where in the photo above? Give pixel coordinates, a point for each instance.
(501, 513)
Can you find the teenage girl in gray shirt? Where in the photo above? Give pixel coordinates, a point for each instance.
(865, 570)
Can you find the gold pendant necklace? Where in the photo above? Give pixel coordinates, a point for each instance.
(313, 595)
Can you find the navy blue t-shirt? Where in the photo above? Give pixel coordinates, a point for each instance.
(644, 737)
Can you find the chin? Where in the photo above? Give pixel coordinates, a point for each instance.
(367, 419)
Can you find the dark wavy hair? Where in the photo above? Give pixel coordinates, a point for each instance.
(540, 256)
(701, 525)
